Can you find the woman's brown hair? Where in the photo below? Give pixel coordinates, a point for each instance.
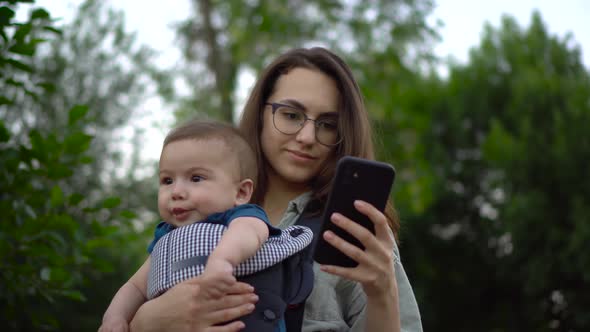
(353, 121)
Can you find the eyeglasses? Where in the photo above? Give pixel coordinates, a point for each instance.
(289, 120)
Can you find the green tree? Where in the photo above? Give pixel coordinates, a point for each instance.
(222, 39)
(62, 174)
(43, 246)
(98, 62)
(502, 237)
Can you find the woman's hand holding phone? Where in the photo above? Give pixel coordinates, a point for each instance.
(376, 266)
(375, 270)
(356, 241)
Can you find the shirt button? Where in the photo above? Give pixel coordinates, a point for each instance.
(296, 232)
(269, 315)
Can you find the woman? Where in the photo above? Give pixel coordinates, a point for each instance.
(297, 159)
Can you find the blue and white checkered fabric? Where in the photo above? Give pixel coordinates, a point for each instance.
(182, 253)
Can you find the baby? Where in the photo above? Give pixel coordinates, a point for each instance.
(207, 175)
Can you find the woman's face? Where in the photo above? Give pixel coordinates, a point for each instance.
(297, 158)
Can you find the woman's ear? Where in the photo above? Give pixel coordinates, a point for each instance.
(245, 189)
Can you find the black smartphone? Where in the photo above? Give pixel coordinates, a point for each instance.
(355, 178)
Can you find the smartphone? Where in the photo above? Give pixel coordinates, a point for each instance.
(355, 178)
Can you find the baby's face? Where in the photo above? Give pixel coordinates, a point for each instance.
(197, 178)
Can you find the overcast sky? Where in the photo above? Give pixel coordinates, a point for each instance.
(463, 22)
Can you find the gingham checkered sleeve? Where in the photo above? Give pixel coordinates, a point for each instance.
(182, 253)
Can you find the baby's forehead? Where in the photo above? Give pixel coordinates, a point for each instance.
(223, 147)
(224, 150)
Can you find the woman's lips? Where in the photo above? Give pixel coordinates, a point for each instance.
(300, 156)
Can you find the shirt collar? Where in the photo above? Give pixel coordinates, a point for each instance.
(298, 204)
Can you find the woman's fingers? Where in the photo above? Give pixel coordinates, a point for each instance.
(232, 327)
(205, 311)
(382, 230)
(232, 301)
(375, 262)
(349, 249)
(240, 288)
(362, 234)
(228, 314)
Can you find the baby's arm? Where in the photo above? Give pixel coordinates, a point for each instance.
(126, 302)
(243, 237)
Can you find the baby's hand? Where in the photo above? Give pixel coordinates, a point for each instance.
(118, 324)
(217, 278)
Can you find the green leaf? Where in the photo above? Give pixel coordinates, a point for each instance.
(23, 49)
(128, 214)
(111, 202)
(90, 209)
(57, 196)
(59, 171)
(22, 31)
(59, 274)
(54, 237)
(4, 133)
(77, 143)
(86, 159)
(19, 65)
(76, 113)
(14, 82)
(47, 86)
(107, 230)
(40, 13)
(54, 30)
(4, 36)
(5, 101)
(75, 199)
(96, 243)
(6, 14)
(36, 140)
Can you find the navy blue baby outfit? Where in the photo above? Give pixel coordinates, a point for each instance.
(278, 271)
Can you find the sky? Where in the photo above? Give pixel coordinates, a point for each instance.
(463, 22)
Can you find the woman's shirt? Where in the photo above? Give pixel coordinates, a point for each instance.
(338, 304)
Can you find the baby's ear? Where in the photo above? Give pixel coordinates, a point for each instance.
(245, 189)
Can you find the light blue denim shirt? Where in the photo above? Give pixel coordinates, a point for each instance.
(338, 304)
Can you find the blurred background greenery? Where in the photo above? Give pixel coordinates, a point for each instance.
(493, 180)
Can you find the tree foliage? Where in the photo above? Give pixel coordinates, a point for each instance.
(504, 234)
(65, 93)
(492, 177)
(43, 247)
(222, 39)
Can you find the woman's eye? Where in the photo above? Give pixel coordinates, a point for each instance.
(291, 115)
(196, 178)
(166, 181)
(328, 125)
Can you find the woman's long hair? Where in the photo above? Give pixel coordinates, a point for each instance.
(353, 120)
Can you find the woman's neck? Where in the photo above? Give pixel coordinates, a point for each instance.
(278, 195)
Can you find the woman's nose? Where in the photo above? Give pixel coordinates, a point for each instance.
(307, 133)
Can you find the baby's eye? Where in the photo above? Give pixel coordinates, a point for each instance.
(166, 181)
(196, 178)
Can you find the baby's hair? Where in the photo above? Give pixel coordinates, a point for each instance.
(233, 139)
